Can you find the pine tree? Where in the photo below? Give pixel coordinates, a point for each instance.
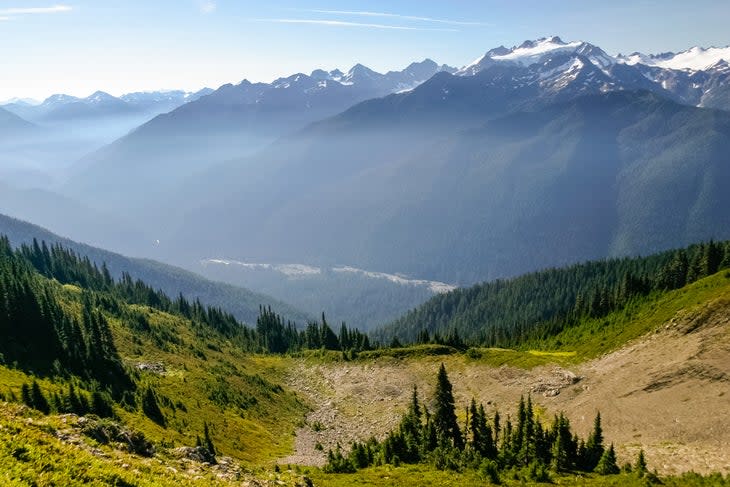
(607, 464)
(151, 408)
(444, 418)
(527, 450)
(711, 258)
(415, 405)
(208, 441)
(73, 402)
(101, 404)
(640, 465)
(594, 445)
(25, 395)
(39, 399)
(497, 425)
(481, 434)
(560, 451)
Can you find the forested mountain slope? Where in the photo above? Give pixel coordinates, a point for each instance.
(538, 306)
(242, 303)
(606, 175)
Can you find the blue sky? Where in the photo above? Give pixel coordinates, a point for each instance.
(79, 46)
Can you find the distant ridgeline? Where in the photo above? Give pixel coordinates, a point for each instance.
(532, 307)
(55, 305)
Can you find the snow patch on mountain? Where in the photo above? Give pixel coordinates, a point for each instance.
(539, 51)
(694, 59)
(304, 271)
(531, 52)
(434, 286)
(289, 270)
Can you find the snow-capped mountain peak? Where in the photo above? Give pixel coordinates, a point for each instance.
(531, 52)
(21, 101)
(59, 99)
(693, 59)
(537, 51)
(100, 97)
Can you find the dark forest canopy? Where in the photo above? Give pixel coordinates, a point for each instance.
(508, 313)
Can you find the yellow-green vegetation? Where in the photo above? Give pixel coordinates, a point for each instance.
(51, 450)
(198, 378)
(422, 475)
(524, 359)
(595, 337)
(209, 380)
(183, 376)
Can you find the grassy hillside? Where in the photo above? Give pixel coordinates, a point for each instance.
(185, 372)
(130, 388)
(389, 476)
(244, 304)
(55, 450)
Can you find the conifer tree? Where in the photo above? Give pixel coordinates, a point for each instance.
(39, 399)
(640, 465)
(208, 441)
(594, 445)
(25, 395)
(481, 434)
(607, 464)
(101, 404)
(151, 408)
(73, 403)
(444, 418)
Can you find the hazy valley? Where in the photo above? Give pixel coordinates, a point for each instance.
(512, 272)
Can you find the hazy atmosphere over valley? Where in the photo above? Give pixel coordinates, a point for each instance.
(382, 243)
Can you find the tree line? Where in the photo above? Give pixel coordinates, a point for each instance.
(44, 336)
(509, 312)
(491, 444)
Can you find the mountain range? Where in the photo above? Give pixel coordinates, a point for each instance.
(601, 175)
(62, 108)
(232, 121)
(12, 126)
(531, 156)
(52, 135)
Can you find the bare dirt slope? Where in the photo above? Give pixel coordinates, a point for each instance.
(668, 393)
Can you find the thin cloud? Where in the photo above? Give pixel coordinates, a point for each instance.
(364, 13)
(34, 10)
(208, 6)
(342, 23)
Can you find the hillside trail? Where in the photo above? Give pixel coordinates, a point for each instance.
(667, 392)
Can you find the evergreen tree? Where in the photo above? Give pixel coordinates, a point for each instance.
(594, 445)
(711, 258)
(607, 464)
(640, 465)
(151, 408)
(74, 404)
(39, 399)
(25, 395)
(444, 418)
(208, 441)
(481, 434)
(101, 404)
(528, 450)
(560, 451)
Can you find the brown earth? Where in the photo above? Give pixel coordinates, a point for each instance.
(668, 393)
